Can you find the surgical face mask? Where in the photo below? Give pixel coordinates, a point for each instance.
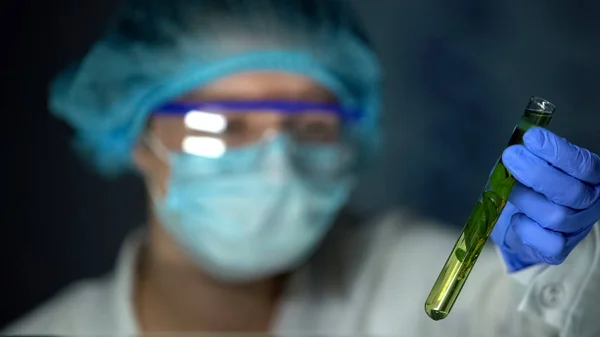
(248, 214)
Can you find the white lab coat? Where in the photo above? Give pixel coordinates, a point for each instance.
(372, 280)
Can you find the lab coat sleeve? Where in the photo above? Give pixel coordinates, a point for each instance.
(83, 308)
(566, 296)
(557, 301)
(544, 301)
(486, 307)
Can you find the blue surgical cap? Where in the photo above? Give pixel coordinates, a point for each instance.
(156, 50)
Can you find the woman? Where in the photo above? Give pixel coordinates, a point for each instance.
(249, 123)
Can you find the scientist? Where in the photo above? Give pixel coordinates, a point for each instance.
(249, 121)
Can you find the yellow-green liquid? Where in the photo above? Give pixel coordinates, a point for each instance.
(478, 228)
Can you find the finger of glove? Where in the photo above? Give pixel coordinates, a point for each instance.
(549, 244)
(555, 184)
(575, 161)
(546, 213)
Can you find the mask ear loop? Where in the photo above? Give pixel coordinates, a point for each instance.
(156, 147)
(162, 154)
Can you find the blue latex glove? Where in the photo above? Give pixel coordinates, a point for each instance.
(554, 204)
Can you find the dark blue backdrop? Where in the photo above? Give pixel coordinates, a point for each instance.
(458, 76)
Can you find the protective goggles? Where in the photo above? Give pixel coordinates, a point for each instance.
(318, 132)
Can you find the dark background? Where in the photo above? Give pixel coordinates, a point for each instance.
(458, 74)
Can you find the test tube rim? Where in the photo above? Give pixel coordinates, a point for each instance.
(533, 104)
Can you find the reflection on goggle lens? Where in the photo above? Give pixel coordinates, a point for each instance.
(205, 121)
(203, 146)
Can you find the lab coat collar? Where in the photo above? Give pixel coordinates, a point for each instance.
(123, 292)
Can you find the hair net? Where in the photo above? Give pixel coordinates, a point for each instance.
(159, 49)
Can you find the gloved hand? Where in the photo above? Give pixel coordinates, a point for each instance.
(554, 204)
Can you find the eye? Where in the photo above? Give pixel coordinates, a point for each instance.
(243, 129)
(236, 127)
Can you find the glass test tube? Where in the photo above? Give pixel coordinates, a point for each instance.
(483, 218)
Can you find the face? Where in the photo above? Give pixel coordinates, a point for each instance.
(168, 130)
(231, 222)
